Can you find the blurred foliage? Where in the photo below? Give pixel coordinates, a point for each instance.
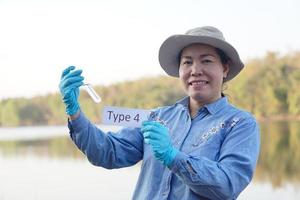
(267, 87)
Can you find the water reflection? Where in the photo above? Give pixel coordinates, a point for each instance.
(279, 161)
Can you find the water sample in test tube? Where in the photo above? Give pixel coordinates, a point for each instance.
(93, 94)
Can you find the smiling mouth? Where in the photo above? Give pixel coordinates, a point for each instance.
(198, 83)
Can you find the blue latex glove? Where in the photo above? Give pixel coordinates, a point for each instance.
(157, 135)
(69, 88)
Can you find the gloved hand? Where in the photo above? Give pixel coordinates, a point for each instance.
(69, 88)
(157, 135)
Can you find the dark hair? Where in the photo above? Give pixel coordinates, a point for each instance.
(224, 58)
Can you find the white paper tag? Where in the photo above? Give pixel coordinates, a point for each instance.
(127, 117)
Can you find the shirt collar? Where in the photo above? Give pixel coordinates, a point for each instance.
(217, 105)
(212, 108)
(184, 102)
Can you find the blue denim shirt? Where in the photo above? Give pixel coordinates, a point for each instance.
(218, 152)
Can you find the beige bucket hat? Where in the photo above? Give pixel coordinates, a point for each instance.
(171, 48)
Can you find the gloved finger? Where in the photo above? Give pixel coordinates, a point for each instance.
(73, 74)
(153, 136)
(74, 86)
(148, 122)
(153, 123)
(156, 130)
(147, 140)
(144, 128)
(71, 80)
(146, 134)
(147, 128)
(156, 146)
(67, 70)
(158, 155)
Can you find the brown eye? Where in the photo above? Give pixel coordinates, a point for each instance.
(187, 62)
(206, 61)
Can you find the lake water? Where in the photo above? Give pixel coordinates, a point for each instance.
(40, 163)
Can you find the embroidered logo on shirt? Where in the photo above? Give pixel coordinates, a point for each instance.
(214, 130)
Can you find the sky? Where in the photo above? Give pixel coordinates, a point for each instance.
(118, 40)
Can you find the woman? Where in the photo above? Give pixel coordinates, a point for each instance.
(201, 147)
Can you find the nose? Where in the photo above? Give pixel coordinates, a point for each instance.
(196, 69)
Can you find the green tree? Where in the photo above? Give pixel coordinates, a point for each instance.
(9, 113)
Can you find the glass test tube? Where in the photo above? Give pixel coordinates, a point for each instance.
(93, 94)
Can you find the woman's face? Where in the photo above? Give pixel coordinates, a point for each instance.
(202, 73)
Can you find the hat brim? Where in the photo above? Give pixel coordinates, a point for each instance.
(170, 50)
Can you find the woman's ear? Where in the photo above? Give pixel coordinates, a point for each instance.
(225, 70)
